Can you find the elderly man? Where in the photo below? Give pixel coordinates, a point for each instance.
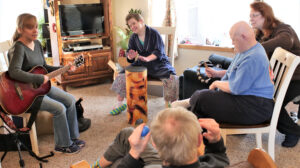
(244, 94)
(176, 134)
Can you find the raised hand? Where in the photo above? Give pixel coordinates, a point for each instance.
(138, 143)
(213, 134)
(210, 72)
(132, 54)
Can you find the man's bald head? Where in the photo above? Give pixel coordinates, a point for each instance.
(242, 35)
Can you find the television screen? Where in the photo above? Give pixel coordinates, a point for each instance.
(81, 19)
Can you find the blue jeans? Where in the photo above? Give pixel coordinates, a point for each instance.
(62, 105)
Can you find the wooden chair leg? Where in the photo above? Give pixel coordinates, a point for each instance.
(224, 135)
(166, 104)
(1, 129)
(81, 164)
(32, 134)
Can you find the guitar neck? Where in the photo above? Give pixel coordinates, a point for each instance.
(59, 71)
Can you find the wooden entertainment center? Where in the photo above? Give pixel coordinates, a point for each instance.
(95, 67)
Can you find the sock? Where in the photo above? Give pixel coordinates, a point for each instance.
(96, 164)
(120, 107)
(181, 103)
(119, 104)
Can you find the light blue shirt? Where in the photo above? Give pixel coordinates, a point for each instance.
(249, 74)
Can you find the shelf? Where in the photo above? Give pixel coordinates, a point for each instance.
(205, 47)
(82, 39)
(96, 50)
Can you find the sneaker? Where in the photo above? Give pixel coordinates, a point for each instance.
(118, 110)
(290, 141)
(294, 116)
(70, 150)
(79, 143)
(181, 103)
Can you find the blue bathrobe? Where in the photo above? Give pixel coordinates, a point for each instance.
(153, 44)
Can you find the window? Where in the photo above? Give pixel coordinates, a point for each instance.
(10, 10)
(8, 18)
(208, 22)
(287, 11)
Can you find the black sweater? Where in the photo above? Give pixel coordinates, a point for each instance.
(214, 157)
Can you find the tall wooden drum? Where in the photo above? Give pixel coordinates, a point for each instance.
(136, 93)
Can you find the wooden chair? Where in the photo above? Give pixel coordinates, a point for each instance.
(257, 158)
(169, 43)
(4, 47)
(283, 64)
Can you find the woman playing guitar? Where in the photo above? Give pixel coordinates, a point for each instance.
(25, 54)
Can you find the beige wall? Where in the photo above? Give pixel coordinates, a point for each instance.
(188, 58)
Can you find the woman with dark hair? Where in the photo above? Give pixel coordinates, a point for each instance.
(272, 33)
(145, 48)
(27, 53)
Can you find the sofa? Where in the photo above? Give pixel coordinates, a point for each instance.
(189, 82)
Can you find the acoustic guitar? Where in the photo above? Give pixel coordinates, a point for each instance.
(17, 97)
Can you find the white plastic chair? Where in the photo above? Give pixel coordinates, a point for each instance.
(4, 47)
(283, 64)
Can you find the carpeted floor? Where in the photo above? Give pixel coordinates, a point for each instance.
(98, 101)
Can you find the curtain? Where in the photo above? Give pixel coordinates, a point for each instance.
(170, 20)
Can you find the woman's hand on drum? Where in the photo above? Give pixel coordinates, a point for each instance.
(145, 59)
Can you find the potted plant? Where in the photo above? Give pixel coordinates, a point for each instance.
(41, 21)
(124, 36)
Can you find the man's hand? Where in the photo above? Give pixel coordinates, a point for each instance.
(213, 134)
(210, 72)
(132, 54)
(137, 143)
(222, 85)
(213, 86)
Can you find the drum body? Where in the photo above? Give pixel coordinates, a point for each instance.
(136, 93)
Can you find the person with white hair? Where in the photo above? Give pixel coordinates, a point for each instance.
(244, 95)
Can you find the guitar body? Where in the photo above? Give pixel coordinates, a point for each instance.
(17, 97)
